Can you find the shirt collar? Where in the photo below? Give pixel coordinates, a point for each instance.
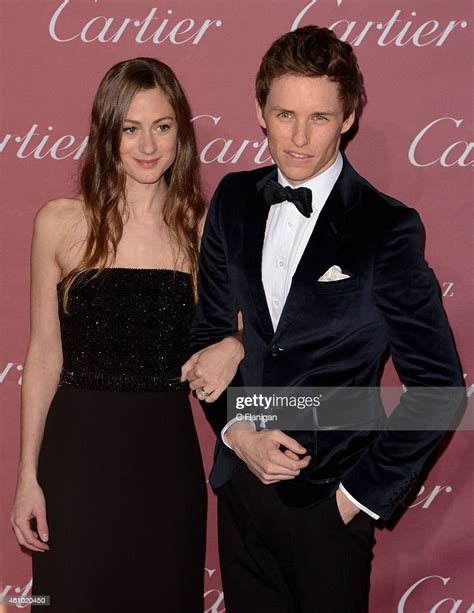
(322, 184)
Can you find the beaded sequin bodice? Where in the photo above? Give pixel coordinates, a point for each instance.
(126, 329)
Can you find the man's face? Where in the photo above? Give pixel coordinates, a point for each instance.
(304, 120)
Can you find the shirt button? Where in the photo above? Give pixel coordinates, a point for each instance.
(289, 224)
(276, 302)
(281, 263)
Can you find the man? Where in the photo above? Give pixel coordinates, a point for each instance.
(327, 278)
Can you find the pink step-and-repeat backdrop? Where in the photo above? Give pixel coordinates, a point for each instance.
(414, 143)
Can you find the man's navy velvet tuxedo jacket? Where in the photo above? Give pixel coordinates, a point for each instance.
(334, 333)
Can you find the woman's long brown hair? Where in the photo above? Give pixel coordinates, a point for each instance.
(103, 178)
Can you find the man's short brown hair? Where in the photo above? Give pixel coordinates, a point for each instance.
(312, 51)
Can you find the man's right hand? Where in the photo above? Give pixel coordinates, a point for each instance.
(262, 454)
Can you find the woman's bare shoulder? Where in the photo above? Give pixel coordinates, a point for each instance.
(60, 215)
(60, 211)
(61, 224)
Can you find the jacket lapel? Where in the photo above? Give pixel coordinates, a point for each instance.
(333, 222)
(255, 220)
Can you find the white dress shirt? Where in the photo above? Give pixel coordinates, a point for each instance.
(287, 233)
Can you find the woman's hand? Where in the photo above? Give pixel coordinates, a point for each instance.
(30, 503)
(211, 370)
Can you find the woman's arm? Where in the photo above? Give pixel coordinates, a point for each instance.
(40, 374)
(211, 370)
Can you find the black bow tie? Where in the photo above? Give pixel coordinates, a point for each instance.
(274, 193)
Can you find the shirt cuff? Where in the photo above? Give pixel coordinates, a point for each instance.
(357, 504)
(231, 423)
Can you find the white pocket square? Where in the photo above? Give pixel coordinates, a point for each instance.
(333, 274)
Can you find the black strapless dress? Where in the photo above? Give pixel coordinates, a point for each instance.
(120, 464)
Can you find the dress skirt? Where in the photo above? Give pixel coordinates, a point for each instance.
(126, 504)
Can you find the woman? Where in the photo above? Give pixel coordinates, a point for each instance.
(111, 493)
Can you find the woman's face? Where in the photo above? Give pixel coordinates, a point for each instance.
(149, 137)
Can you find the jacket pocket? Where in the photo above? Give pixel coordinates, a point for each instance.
(336, 287)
